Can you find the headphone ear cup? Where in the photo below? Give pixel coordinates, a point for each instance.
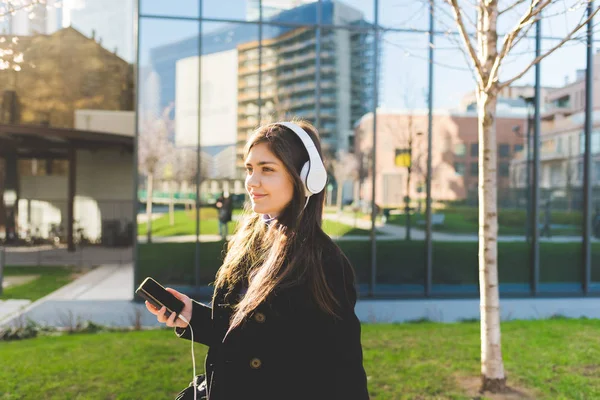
(304, 177)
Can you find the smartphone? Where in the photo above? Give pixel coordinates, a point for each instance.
(158, 296)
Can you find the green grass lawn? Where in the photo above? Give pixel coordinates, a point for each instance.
(397, 261)
(49, 280)
(551, 359)
(510, 222)
(185, 224)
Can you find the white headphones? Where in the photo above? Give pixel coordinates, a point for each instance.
(313, 173)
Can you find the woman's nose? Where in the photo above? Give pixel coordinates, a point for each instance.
(252, 180)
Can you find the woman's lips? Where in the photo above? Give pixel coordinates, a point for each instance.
(258, 196)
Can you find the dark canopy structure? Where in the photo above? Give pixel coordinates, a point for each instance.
(43, 142)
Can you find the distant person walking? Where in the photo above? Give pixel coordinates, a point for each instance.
(225, 207)
(547, 220)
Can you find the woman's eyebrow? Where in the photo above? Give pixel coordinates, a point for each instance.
(262, 163)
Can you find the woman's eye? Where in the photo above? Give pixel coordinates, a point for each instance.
(266, 169)
(249, 170)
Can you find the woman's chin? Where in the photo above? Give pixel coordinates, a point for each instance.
(261, 209)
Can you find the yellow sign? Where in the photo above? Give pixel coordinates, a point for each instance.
(402, 158)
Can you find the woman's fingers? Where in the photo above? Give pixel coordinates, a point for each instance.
(151, 308)
(171, 320)
(161, 315)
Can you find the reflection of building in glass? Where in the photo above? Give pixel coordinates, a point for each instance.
(509, 97)
(270, 8)
(288, 82)
(109, 21)
(562, 145)
(66, 134)
(51, 85)
(454, 154)
(230, 78)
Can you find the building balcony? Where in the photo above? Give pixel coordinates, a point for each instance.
(248, 70)
(248, 96)
(295, 47)
(306, 72)
(244, 84)
(312, 55)
(296, 103)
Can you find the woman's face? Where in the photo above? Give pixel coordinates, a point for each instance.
(267, 181)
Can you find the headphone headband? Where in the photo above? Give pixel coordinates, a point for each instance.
(316, 178)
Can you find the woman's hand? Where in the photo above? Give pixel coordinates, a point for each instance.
(171, 321)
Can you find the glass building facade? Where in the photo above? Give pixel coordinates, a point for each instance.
(383, 83)
(175, 89)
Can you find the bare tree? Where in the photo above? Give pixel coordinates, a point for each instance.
(186, 168)
(344, 167)
(406, 132)
(153, 151)
(486, 56)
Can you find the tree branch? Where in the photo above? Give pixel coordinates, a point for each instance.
(514, 5)
(449, 15)
(534, 9)
(542, 56)
(466, 41)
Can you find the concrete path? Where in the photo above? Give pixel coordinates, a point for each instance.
(11, 308)
(104, 295)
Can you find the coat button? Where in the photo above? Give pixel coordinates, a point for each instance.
(259, 317)
(255, 363)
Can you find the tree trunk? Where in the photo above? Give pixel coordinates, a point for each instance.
(492, 368)
(149, 196)
(171, 204)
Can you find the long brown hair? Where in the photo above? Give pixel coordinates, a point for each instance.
(266, 257)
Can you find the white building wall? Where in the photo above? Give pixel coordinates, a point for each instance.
(120, 122)
(103, 191)
(344, 14)
(219, 108)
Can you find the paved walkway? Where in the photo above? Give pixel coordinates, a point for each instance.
(103, 295)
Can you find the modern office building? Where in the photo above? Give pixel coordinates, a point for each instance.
(246, 80)
(562, 145)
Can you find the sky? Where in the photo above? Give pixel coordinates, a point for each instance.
(404, 64)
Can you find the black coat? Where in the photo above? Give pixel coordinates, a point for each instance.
(288, 348)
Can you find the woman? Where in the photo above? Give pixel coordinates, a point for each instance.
(282, 323)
